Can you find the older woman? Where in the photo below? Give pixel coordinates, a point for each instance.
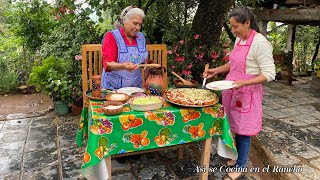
(122, 49)
(250, 65)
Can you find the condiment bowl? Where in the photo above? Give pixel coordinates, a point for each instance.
(112, 107)
(120, 97)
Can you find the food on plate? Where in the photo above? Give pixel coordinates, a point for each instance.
(117, 97)
(191, 96)
(146, 100)
(112, 107)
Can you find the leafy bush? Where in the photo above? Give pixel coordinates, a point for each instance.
(8, 80)
(51, 78)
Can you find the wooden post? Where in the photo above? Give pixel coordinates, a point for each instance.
(205, 158)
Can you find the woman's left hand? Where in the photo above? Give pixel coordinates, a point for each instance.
(239, 84)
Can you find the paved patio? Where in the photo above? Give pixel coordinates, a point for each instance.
(42, 145)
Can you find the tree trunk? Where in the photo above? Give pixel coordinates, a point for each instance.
(209, 19)
(289, 37)
(315, 55)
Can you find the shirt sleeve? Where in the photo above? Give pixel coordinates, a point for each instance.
(109, 50)
(265, 60)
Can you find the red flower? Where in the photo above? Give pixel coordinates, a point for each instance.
(196, 36)
(186, 72)
(180, 59)
(181, 42)
(214, 55)
(225, 45)
(189, 66)
(238, 103)
(225, 58)
(169, 52)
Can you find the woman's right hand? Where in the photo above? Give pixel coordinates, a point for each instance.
(211, 73)
(129, 66)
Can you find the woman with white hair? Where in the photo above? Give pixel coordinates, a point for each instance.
(122, 49)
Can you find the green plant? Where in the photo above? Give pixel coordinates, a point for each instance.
(51, 77)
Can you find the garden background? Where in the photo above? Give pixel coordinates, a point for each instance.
(40, 41)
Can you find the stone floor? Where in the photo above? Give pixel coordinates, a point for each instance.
(43, 146)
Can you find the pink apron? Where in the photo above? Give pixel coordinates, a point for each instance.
(243, 106)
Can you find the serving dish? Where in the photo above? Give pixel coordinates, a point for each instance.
(146, 103)
(191, 97)
(130, 90)
(112, 107)
(220, 85)
(120, 97)
(104, 93)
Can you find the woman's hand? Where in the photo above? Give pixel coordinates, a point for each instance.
(239, 84)
(129, 66)
(211, 73)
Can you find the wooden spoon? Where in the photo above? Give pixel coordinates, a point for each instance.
(185, 82)
(149, 65)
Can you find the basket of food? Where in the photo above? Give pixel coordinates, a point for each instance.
(112, 107)
(146, 103)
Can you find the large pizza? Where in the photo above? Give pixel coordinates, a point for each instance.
(191, 97)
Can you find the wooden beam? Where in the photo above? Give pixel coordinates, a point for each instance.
(301, 2)
(310, 16)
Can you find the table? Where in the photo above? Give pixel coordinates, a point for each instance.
(133, 131)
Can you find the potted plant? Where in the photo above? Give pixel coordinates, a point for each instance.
(50, 77)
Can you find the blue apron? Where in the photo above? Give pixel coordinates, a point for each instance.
(135, 54)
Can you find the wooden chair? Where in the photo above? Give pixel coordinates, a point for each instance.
(92, 63)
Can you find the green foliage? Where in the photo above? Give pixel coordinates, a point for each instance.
(31, 22)
(304, 48)
(65, 42)
(51, 78)
(8, 80)
(277, 37)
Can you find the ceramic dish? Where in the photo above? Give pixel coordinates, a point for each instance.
(220, 85)
(120, 97)
(146, 103)
(112, 107)
(104, 93)
(130, 90)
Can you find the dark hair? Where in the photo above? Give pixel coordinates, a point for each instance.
(243, 14)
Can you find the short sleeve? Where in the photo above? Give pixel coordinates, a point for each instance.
(109, 49)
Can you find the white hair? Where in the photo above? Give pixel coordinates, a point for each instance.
(127, 14)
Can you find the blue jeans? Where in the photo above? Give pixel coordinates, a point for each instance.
(243, 148)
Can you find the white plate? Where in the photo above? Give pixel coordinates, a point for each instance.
(220, 85)
(129, 90)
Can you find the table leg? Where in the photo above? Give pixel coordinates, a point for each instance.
(180, 153)
(205, 158)
(108, 162)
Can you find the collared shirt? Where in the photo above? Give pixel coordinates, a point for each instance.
(110, 48)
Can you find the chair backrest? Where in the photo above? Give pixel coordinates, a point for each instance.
(92, 63)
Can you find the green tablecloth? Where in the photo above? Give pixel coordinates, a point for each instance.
(135, 131)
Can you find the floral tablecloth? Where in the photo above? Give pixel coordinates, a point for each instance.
(135, 131)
